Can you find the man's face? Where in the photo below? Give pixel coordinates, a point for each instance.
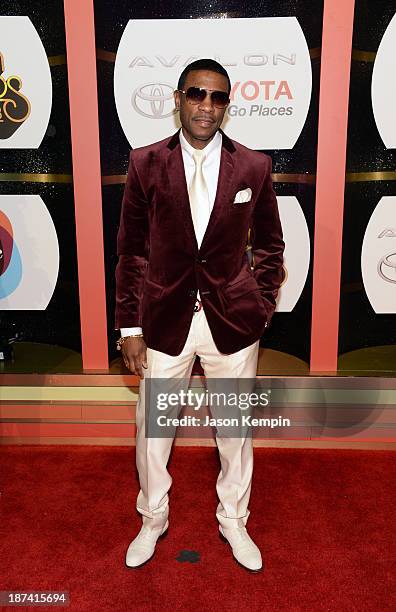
(201, 121)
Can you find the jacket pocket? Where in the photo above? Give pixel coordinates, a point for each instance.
(238, 207)
(241, 287)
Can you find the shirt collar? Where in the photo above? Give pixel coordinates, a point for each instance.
(214, 145)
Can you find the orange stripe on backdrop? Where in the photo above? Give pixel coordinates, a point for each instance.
(330, 181)
(81, 66)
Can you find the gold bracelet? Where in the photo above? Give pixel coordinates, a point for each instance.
(121, 340)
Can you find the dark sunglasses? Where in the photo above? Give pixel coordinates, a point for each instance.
(196, 95)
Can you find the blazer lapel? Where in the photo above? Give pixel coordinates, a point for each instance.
(177, 187)
(224, 185)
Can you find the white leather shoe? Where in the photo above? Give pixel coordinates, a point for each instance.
(244, 549)
(142, 548)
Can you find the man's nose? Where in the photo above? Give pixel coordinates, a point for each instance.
(207, 104)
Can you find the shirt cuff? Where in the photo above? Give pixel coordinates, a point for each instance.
(130, 331)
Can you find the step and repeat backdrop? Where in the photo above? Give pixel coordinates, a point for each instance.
(367, 331)
(272, 53)
(39, 301)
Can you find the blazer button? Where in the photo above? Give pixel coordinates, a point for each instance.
(192, 293)
(201, 261)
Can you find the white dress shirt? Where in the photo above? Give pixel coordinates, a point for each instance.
(210, 169)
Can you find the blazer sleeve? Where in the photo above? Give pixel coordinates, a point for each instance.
(267, 243)
(132, 251)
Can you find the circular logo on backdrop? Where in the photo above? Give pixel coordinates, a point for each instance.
(378, 259)
(267, 60)
(29, 253)
(387, 268)
(297, 252)
(25, 85)
(154, 100)
(383, 86)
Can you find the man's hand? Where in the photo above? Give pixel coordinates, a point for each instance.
(134, 353)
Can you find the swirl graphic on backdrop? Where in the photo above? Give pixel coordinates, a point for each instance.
(10, 259)
(14, 106)
(29, 253)
(25, 84)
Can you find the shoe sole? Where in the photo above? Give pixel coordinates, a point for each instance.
(163, 535)
(252, 571)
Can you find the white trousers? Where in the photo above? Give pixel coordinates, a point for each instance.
(236, 454)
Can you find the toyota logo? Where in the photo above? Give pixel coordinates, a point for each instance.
(387, 268)
(154, 100)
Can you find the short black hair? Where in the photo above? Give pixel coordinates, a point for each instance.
(203, 64)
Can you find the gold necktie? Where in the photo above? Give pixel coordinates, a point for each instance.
(199, 197)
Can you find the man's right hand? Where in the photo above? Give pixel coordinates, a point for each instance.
(134, 353)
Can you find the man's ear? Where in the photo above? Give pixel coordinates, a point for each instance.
(176, 95)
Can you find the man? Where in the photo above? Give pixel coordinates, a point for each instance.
(185, 287)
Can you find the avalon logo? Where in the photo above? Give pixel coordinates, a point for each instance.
(388, 232)
(14, 106)
(267, 59)
(379, 257)
(154, 100)
(387, 268)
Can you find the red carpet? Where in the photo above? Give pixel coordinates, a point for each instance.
(323, 519)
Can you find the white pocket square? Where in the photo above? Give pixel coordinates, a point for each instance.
(243, 196)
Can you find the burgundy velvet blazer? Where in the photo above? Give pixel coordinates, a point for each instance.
(160, 267)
